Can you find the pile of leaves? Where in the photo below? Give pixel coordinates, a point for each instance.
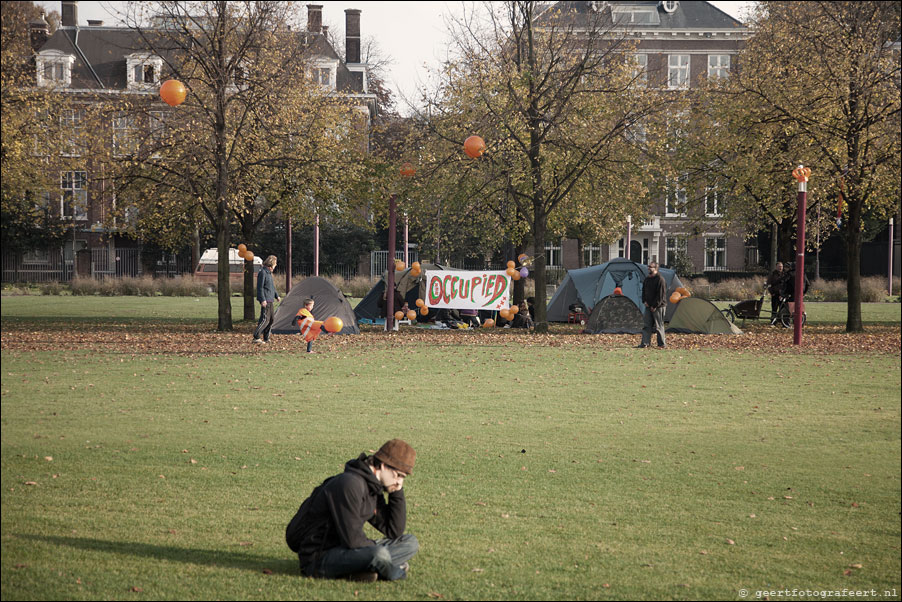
(195, 339)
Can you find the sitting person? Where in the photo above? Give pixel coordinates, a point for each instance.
(522, 319)
(471, 317)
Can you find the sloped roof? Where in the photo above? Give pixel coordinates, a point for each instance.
(688, 14)
(100, 55)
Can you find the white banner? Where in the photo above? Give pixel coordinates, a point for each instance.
(468, 290)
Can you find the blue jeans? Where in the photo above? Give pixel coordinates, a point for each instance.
(384, 557)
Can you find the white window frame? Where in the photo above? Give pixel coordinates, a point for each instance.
(675, 197)
(716, 244)
(640, 68)
(591, 255)
(669, 6)
(60, 64)
(142, 61)
(74, 192)
(673, 244)
(713, 195)
(125, 135)
(318, 67)
(718, 66)
(553, 255)
(627, 15)
(678, 71)
(72, 130)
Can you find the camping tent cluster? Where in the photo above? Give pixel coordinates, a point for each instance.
(594, 288)
(328, 302)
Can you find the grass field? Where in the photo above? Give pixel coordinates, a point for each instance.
(548, 467)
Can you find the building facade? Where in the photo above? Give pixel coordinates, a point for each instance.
(97, 63)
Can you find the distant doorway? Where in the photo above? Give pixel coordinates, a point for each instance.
(636, 251)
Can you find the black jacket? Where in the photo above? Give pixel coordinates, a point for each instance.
(334, 514)
(654, 291)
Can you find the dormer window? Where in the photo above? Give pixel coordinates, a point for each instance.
(669, 7)
(324, 72)
(626, 15)
(54, 68)
(144, 70)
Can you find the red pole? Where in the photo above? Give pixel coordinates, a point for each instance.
(801, 174)
(316, 247)
(629, 235)
(288, 259)
(390, 281)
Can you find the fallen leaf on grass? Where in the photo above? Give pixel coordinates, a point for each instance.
(245, 543)
(267, 571)
(731, 542)
(31, 482)
(856, 566)
(48, 458)
(136, 589)
(435, 595)
(478, 570)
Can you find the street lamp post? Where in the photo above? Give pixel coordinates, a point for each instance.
(801, 174)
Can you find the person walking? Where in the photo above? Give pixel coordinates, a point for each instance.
(654, 297)
(267, 296)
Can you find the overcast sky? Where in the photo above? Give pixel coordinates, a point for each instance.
(412, 34)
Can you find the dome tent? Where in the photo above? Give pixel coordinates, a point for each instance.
(615, 314)
(591, 285)
(328, 302)
(411, 288)
(695, 315)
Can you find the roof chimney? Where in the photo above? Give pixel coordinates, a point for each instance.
(38, 31)
(325, 30)
(314, 18)
(352, 35)
(70, 13)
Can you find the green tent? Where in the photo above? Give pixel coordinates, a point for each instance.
(699, 316)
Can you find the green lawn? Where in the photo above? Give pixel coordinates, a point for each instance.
(543, 471)
(204, 308)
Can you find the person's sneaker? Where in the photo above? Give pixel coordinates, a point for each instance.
(364, 577)
(662, 346)
(258, 341)
(641, 346)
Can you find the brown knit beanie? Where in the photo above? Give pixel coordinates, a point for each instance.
(397, 454)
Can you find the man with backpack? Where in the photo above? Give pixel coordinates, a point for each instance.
(327, 530)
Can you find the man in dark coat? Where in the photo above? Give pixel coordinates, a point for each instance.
(775, 288)
(654, 297)
(327, 530)
(267, 296)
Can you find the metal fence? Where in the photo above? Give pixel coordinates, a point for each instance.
(379, 261)
(105, 262)
(347, 272)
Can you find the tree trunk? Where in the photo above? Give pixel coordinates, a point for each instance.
(853, 266)
(538, 229)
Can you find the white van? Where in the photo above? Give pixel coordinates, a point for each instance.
(208, 266)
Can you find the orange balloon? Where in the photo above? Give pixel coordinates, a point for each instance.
(474, 146)
(173, 92)
(414, 272)
(415, 265)
(424, 311)
(515, 275)
(675, 297)
(618, 291)
(248, 255)
(400, 266)
(505, 314)
(242, 253)
(333, 324)
(242, 248)
(510, 272)
(511, 264)
(488, 323)
(411, 315)
(408, 170)
(399, 315)
(515, 309)
(420, 303)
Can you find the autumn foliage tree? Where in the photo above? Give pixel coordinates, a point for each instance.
(555, 94)
(255, 134)
(819, 84)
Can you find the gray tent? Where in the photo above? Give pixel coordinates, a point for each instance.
(590, 285)
(615, 314)
(694, 315)
(328, 302)
(410, 287)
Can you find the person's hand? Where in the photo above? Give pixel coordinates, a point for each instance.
(263, 304)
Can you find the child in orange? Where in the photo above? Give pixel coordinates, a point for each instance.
(309, 327)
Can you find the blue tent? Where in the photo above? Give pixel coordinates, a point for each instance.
(590, 285)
